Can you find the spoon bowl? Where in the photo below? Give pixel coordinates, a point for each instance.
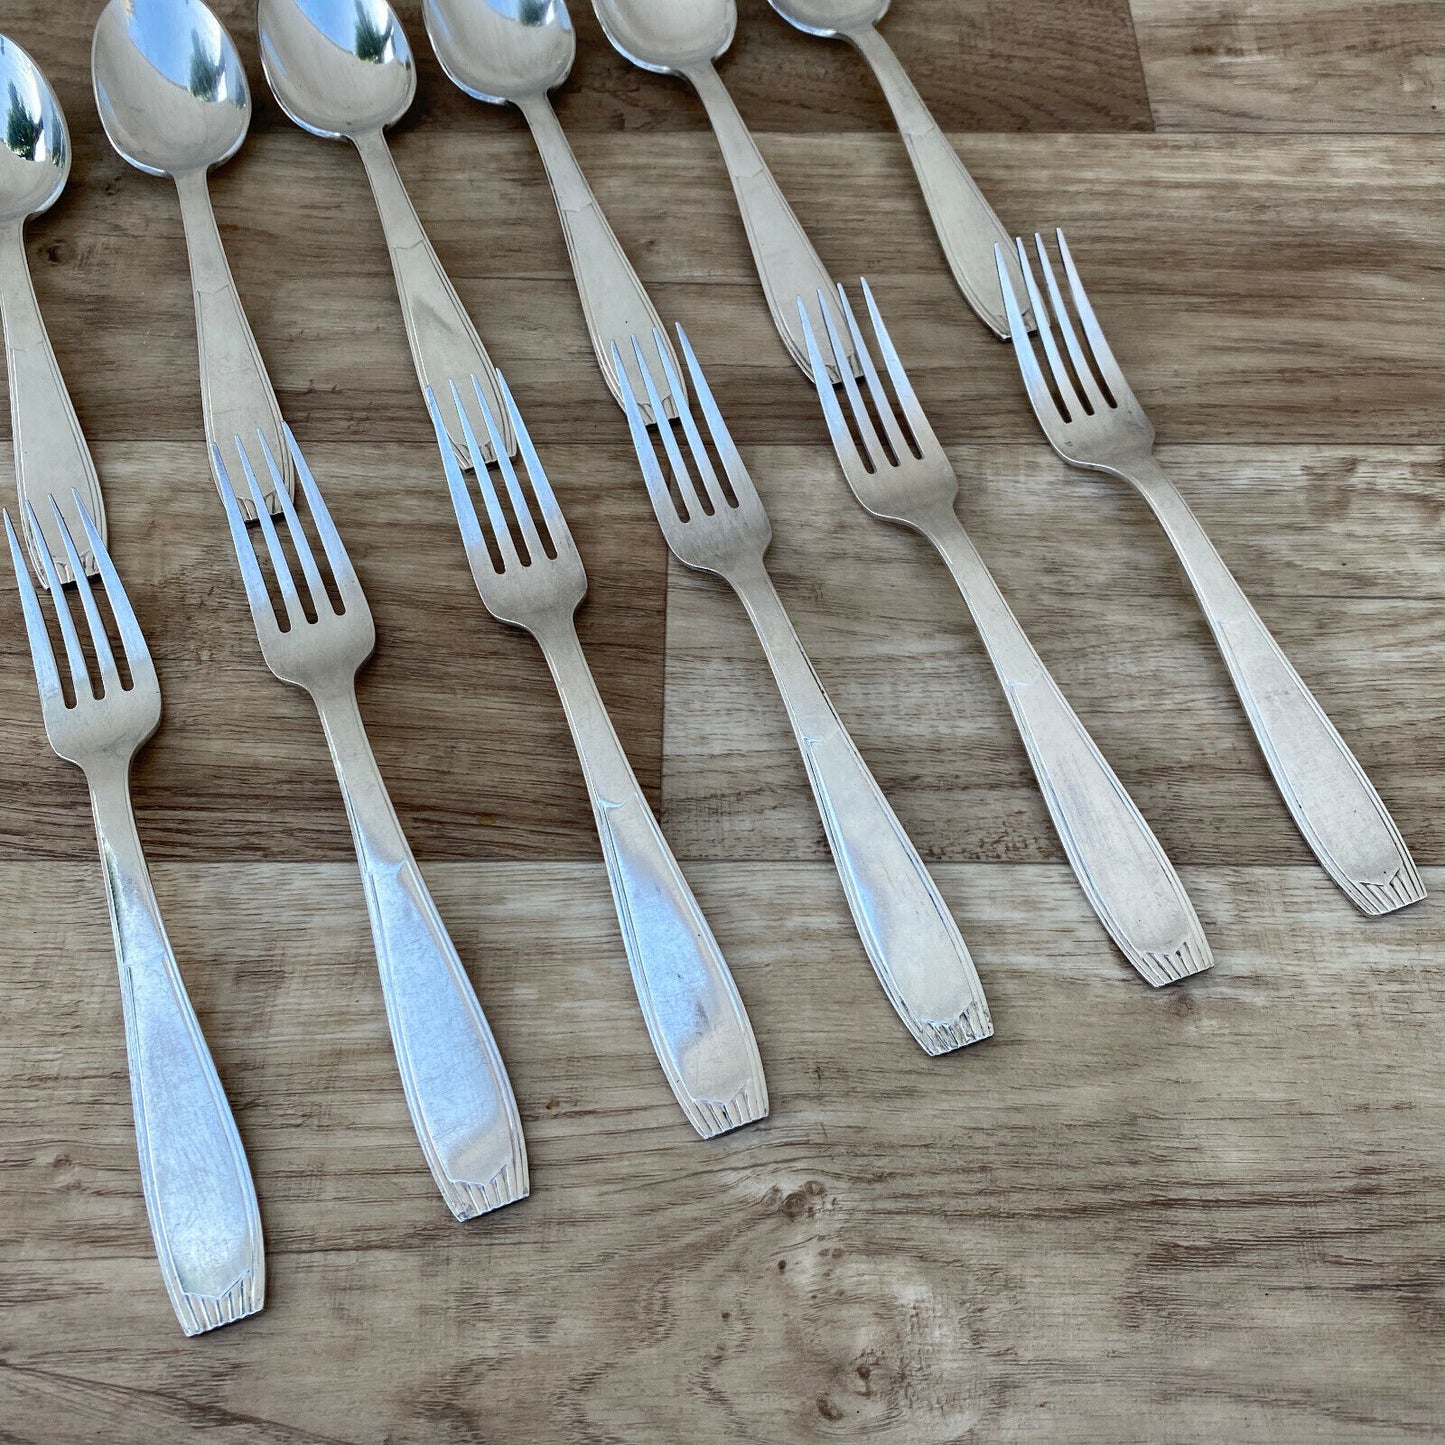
(35, 148)
(502, 51)
(670, 37)
(169, 85)
(338, 68)
(831, 18)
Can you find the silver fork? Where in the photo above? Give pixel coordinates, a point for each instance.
(198, 1190)
(910, 937)
(529, 574)
(455, 1083)
(904, 476)
(1093, 420)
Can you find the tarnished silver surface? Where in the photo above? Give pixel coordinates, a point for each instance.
(51, 455)
(174, 102)
(529, 574)
(511, 52)
(455, 1083)
(912, 941)
(198, 1190)
(1093, 420)
(899, 471)
(684, 37)
(343, 70)
(964, 221)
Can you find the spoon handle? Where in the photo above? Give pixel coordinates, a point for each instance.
(51, 456)
(445, 347)
(787, 264)
(964, 221)
(615, 305)
(236, 395)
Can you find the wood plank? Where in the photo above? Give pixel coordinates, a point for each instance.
(1218, 1204)
(1294, 65)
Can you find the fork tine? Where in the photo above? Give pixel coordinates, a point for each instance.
(1083, 376)
(42, 655)
(662, 499)
(132, 639)
(74, 657)
(918, 422)
(320, 602)
(901, 446)
(462, 503)
(707, 473)
(689, 489)
(843, 442)
(263, 614)
(1040, 397)
(348, 584)
(501, 533)
(547, 503)
(871, 450)
(742, 483)
(104, 657)
(1069, 403)
(279, 565)
(521, 507)
(1109, 368)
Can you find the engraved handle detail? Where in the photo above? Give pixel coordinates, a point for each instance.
(456, 1085)
(198, 1189)
(912, 941)
(695, 1018)
(1332, 801)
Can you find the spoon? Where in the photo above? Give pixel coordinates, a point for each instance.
(174, 102)
(684, 37)
(51, 456)
(966, 225)
(342, 69)
(511, 52)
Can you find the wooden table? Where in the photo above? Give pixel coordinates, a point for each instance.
(1212, 1213)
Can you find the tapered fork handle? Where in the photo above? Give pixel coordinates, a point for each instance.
(697, 1023)
(1332, 801)
(965, 223)
(444, 344)
(456, 1085)
(198, 1190)
(910, 936)
(614, 303)
(237, 398)
(1123, 871)
(787, 264)
(51, 457)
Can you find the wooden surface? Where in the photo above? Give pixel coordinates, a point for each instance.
(1210, 1214)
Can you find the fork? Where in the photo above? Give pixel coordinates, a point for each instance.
(197, 1184)
(1093, 420)
(910, 937)
(903, 475)
(456, 1086)
(529, 574)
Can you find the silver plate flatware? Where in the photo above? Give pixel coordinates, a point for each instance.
(1094, 422)
(197, 1184)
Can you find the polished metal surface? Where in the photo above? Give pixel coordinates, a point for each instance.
(174, 102)
(455, 1083)
(1093, 420)
(342, 69)
(899, 471)
(507, 52)
(684, 37)
(529, 574)
(911, 939)
(197, 1184)
(964, 221)
(51, 455)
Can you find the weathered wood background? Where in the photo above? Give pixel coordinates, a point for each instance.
(1210, 1214)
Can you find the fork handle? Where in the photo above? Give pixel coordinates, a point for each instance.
(965, 223)
(910, 936)
(197, 1184)
(1124, 872)
(695, 1018)
(1333, 803)
(236, 392)
(444, 344)
(456, 1085)
(51, 457)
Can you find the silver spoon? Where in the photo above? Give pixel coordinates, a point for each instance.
(966, 225)
(684, 37)
(342, 69)
(174, 102)
(51, 456)
(514, 52)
